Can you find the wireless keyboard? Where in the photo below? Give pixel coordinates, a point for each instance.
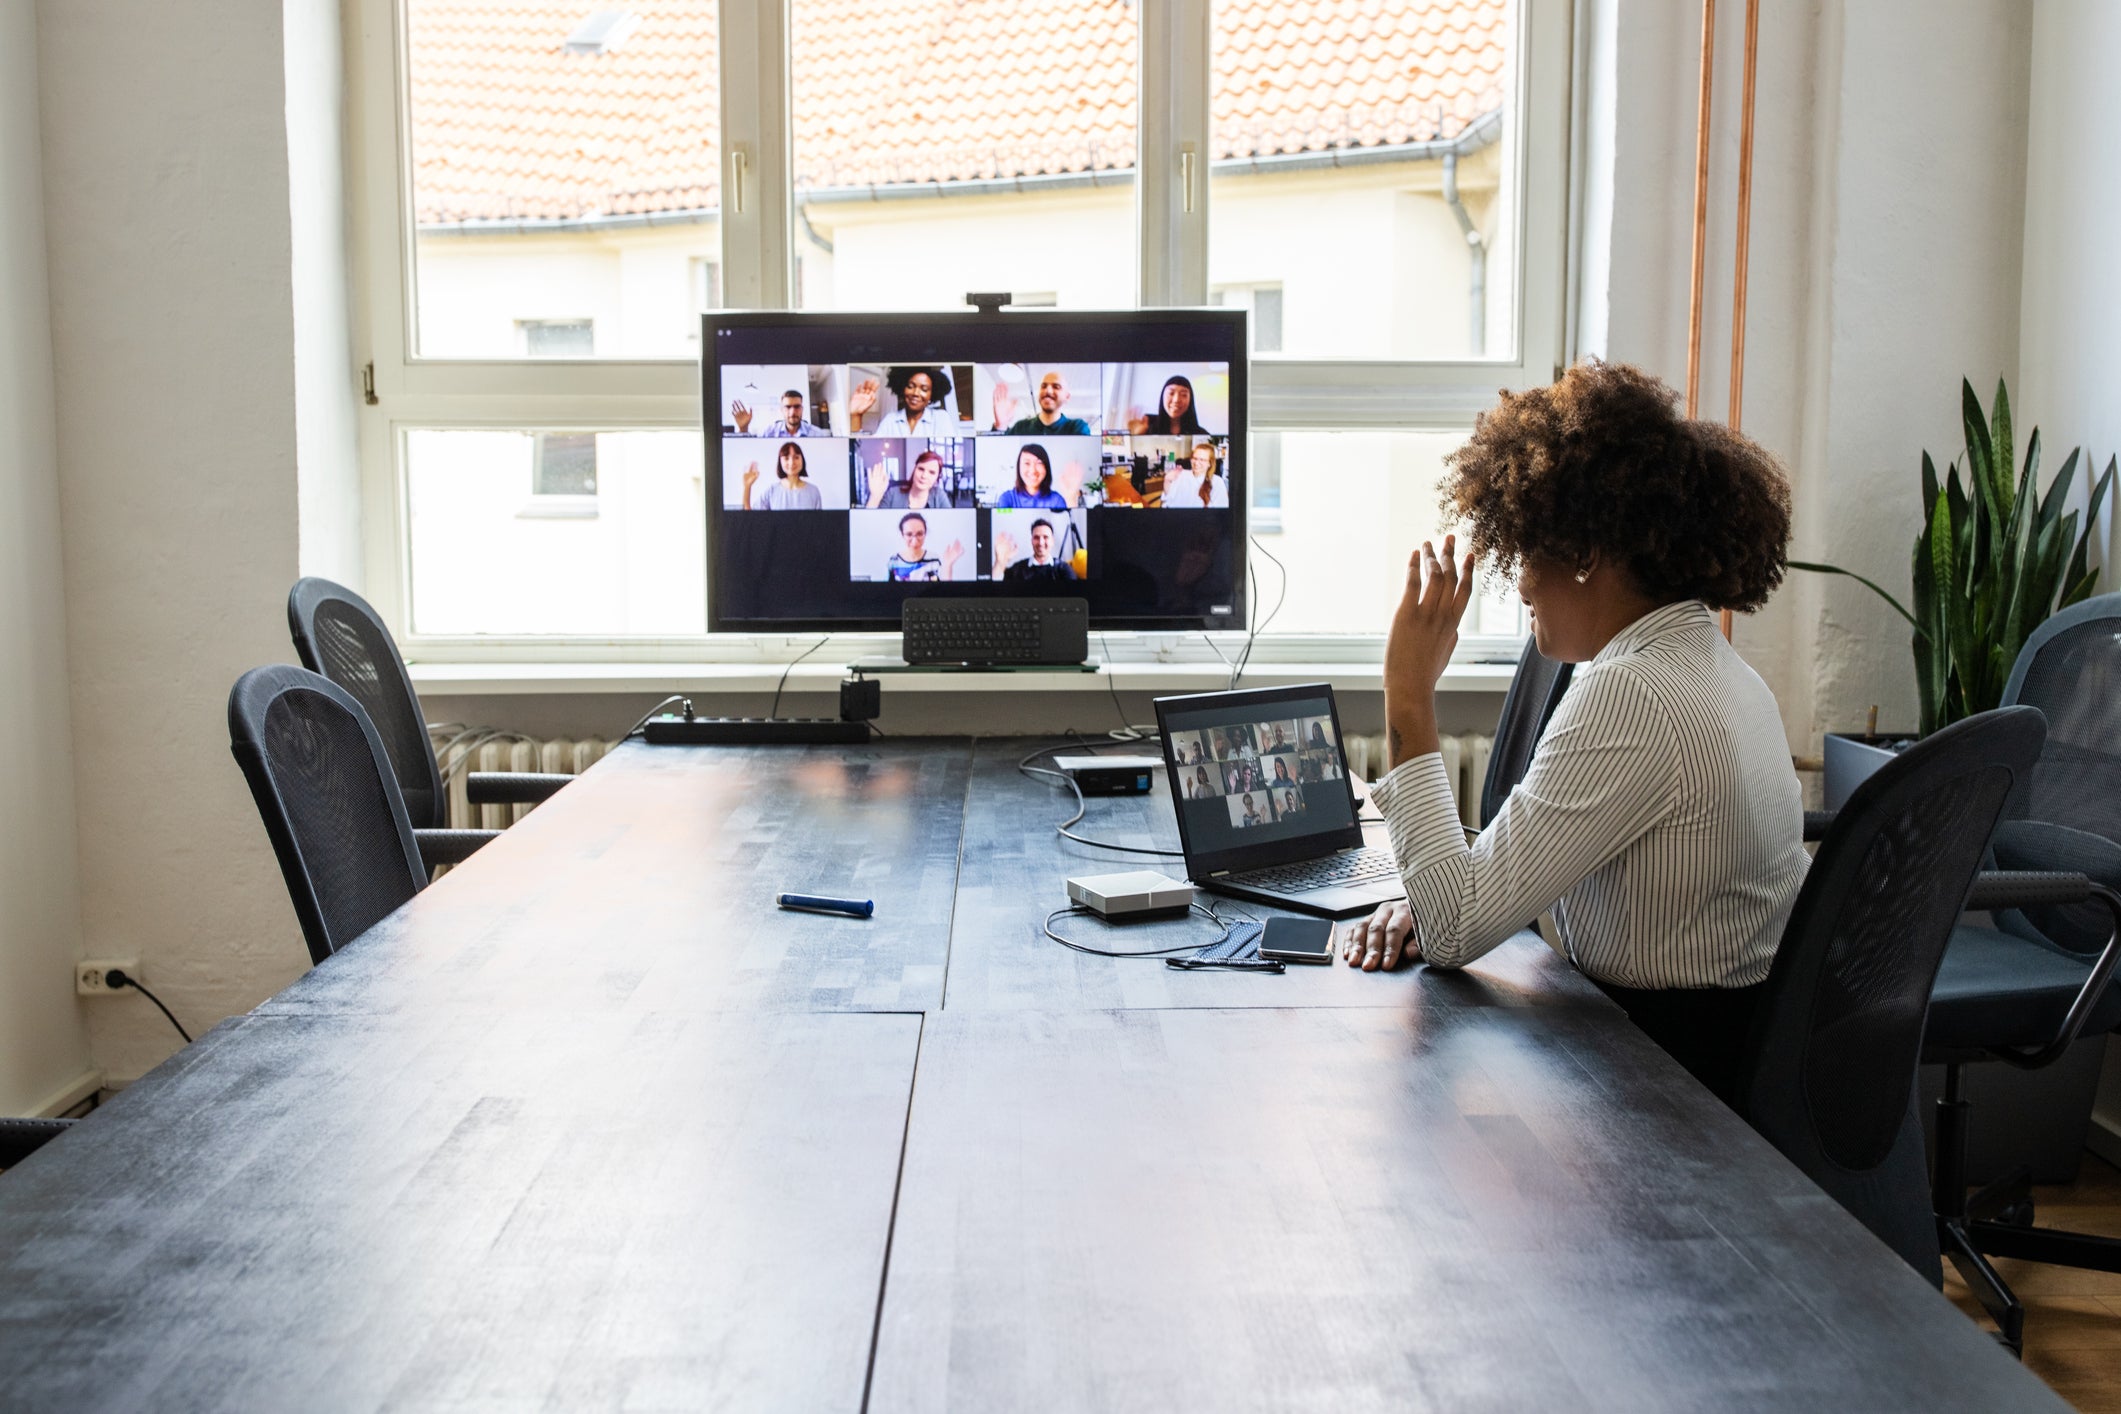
(997, 632)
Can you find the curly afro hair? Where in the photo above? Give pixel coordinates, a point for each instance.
(897, 378)
(1601, 462)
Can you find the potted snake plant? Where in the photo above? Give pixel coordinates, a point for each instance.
(1995, 557)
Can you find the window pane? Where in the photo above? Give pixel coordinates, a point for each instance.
(565, 163)
(1346, 569)
(1364, 172)
(941, 149)
(584, 533)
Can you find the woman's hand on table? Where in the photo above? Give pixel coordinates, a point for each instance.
(1383, 940)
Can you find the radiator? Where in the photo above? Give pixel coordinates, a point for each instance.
(461, 749)
(1465, 763)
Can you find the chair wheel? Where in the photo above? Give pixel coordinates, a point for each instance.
(2019, 1214)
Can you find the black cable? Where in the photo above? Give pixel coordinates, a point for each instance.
(1127, 730)
(775, 709)
(1081, 805)
(673, 697)
(116, 978)
(1259, 627)
(1076, 910)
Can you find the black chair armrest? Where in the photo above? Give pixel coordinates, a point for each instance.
(450, 846)
(512, 787)
(1994, 889)
(1816, 823)
(19, 1138)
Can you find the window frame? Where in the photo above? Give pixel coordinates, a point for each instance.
(757, 257)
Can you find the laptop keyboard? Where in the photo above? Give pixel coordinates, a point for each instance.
(1354, 866)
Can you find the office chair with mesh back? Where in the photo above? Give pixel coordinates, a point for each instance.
(1534, 693)
(1829, 1076)
(2026, 989)
(329, 800)
(339, 635)
(19, 1138)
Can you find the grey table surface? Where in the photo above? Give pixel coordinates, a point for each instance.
(590, 1124)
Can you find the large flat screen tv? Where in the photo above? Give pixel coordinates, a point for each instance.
(857, 460)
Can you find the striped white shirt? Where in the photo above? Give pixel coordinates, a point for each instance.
(1660, 820)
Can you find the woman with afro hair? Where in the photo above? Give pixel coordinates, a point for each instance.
(1660, 819)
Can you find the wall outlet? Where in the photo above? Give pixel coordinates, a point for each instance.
(90, 974)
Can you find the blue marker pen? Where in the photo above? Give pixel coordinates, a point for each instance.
(813, 903)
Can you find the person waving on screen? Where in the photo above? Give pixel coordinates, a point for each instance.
(791, 489)
(918, 494)
(1049, 419)
(1034, 489)
(1040, 566)
(922, 410)
(1174, 415)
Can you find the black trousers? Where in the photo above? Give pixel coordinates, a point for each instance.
(1705, 1029)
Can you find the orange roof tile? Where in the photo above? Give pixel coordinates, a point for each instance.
(509, 126)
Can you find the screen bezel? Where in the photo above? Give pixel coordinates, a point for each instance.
(1202, 864)
(898, 338)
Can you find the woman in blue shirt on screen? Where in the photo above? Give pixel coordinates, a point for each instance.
(1033, 490)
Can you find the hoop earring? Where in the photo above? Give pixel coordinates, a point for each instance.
(1583, 576)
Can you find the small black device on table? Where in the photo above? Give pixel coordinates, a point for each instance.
(997, 631)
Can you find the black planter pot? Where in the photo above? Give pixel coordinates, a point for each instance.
(1851, 759)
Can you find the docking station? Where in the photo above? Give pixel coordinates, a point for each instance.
(1132, 897)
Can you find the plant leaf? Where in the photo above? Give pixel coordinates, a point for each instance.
(2001, 448)
(2080, 560)
(1816, 568)
(1929, 488)
(2057, 494)
(1980, 452)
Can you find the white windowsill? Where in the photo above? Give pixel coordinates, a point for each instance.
(539, 679)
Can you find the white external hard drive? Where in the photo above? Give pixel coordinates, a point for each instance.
(1138, 893)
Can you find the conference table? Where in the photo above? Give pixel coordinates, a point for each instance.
(591, 1124)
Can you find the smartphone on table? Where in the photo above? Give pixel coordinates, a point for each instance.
(1297, 940)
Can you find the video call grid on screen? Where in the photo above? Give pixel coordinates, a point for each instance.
(942, 454)
(1258, 773)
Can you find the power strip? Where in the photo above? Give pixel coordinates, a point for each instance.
(670, 729)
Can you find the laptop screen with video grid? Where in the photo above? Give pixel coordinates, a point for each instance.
(1249, 772)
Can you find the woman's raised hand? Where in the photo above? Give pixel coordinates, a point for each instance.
(1069, 482)
(859, 402)
(878, 484)
(952, 553)
(1425, 629)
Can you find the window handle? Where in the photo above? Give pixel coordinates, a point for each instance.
(737, 164)
(1185, 175)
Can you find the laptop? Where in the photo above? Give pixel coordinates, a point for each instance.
(1265, 808)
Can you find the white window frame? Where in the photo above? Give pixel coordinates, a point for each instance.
(757, 265)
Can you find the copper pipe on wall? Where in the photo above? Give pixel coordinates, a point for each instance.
(1745, 227)
(1745, 208)
(1701, 205)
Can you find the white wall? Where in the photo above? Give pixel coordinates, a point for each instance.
(2069, 352)
(173, 337)
(1884, 266)
(2070, 329)
(43, 1043)
(327, 463)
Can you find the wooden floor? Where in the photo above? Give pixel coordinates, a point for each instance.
(2072, 1318)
